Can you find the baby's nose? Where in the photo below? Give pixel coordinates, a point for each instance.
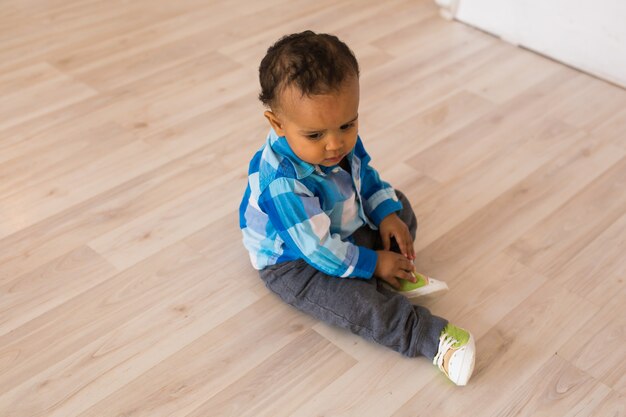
(333, 143)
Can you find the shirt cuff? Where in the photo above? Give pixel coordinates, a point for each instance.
(366, 263)
(384, 209)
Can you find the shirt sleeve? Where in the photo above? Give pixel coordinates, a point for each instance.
(296, 214)
(379, 198)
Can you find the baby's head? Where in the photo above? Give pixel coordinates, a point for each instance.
(310, 82)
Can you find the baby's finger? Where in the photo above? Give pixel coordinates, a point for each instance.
(394, 283)
(406, 245)
(411, 248)
(386, 241)
(401, 243)
(406, 242)
(407, 265)
(406, 275)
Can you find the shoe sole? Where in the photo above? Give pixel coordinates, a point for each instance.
(467, 369)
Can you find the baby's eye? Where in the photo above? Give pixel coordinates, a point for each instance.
(314, 136)
(348, 126)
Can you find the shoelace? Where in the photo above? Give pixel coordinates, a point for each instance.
(445, 343)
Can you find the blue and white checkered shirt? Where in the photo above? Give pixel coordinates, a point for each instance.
(295, 210)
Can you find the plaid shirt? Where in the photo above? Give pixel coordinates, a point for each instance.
(295, 210)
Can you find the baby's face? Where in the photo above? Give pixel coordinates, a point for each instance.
(320, 129)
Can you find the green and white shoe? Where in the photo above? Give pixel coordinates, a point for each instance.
(424, 286)
(456, 354)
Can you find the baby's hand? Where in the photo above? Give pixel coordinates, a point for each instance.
(391, 266)
(393, 226)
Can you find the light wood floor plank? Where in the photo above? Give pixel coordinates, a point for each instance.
(426, 129)
(136, 345)
(304, 366)
(35, 245)
(185, 380)
(597, 272)
(506, 79)
(558, 238)
(417, 94)
(54, 91)
(386, 381)
(598, 348)
(151, 233)
(48, 157)
(595, 102)
(612, 129)
(493, 173)
(491, 287)
(558, 389)
(103, 308)
(485, 141)
(86, 58)
(32, 294)
(614, 405)
(96, 21)
(507, 217)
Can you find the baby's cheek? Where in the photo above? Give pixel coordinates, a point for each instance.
(319, 150)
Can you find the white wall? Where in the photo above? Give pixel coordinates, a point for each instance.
(586, 34)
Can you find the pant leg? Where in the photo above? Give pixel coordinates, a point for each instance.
(407, 215)
(362, 306)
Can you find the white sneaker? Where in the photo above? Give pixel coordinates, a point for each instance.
(456, 354)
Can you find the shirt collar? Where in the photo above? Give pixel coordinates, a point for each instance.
(303, 169)
(280, 146)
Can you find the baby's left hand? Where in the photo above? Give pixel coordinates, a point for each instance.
(393, 226)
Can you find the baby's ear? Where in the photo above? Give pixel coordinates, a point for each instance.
(274, 122)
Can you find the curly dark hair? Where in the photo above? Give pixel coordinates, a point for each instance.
(314, 63)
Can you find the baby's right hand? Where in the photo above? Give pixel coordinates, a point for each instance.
(391, 266)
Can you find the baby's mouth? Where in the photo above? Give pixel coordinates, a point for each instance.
(336, 158)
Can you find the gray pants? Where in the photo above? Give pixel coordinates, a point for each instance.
(363, 306)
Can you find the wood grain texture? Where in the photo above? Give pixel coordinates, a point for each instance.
(125, 133)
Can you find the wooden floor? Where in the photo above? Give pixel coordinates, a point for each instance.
(125, 132)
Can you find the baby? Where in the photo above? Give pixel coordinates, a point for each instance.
(327, 235)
